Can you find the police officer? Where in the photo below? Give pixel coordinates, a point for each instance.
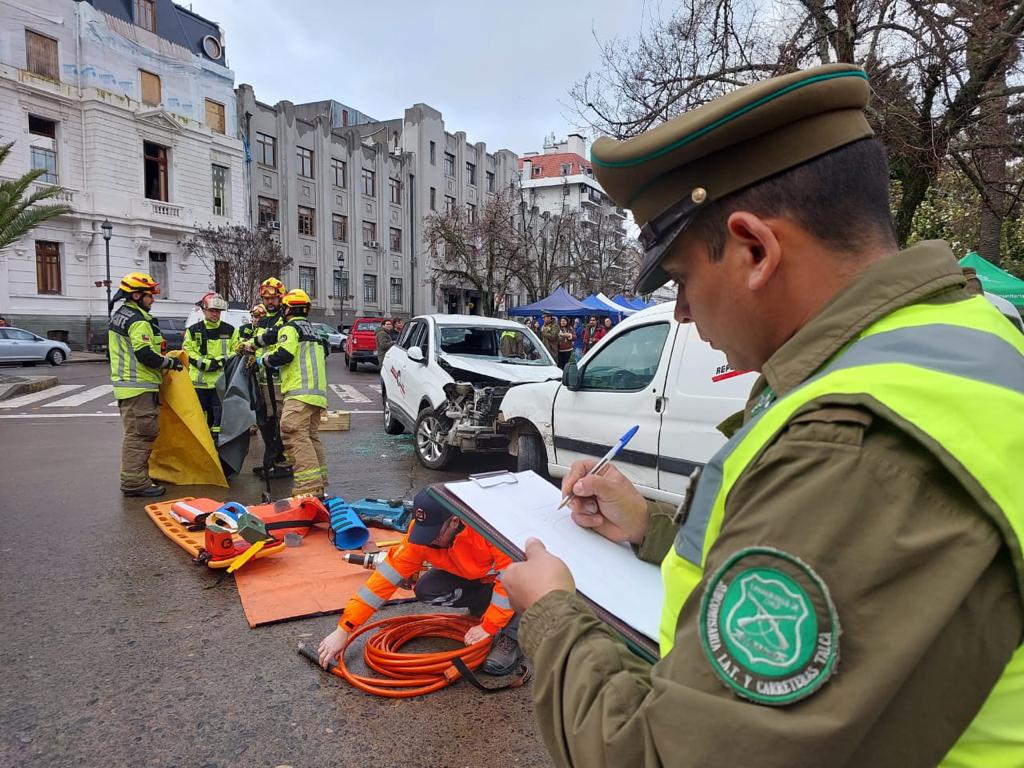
(208, 344)
(136, 365)
(300, 357)
(843, 584)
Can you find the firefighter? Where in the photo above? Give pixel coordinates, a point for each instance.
(208, 344)
(299, 355)
(247, 331)
(136, 366)
(265, 341)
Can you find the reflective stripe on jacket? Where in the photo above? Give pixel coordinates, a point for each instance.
(304, 376)
(208, 346)
(132, 329)
(952, 377)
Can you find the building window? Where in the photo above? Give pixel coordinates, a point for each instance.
(267, 212)
(433, 153)
(145, 14)
(44, 147)
(155, 163)
(396, 290)
(41, 55)
(433, 198)
(307, 280)
(449, 203)
(471, 213)
(215, 116)
(490, 181)
(471, 174)
(340, 284)
(370, 233)
(449, 164)
(338, 168)
(48, 267)
(566, 169)
(266, 150)
(370, 288)
(396, 240)
(340, 228)
(222, 277)
(158, 269)
(220, 184)
(536, 170)
(305, 162)
(149, 84)
(306, 225)
(369, 183)
(396, 190)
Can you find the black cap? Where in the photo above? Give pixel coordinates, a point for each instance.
(429, 516)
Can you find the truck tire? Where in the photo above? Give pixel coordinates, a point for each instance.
(351, 363)
(431, 450)
(532, 454)
(392, 426)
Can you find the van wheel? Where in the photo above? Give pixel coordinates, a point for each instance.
(532, 454)
(428, 439)
(392, 426)
(351, 363)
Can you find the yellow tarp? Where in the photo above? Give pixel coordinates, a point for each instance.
(184, 453)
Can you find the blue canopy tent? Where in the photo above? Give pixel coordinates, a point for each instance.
(629, 303)
(597, 307)
(559, 304)
(639, 303)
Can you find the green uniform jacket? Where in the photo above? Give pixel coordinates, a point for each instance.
(134, 343)
(301, 358)
(921, 578)
(208, 346)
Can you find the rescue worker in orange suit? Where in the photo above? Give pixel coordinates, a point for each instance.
(463, 574)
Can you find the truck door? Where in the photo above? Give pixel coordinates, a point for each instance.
(619, 386)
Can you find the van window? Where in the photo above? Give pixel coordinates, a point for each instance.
(628, 362)
(368, 325)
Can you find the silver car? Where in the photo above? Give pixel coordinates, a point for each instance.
(18, 346)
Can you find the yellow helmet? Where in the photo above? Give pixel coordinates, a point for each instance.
(139, 282)
(271, 287)
(296, 297)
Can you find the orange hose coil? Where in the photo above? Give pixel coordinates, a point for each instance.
(412, 674)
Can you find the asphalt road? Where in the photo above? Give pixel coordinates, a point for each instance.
(117, 651)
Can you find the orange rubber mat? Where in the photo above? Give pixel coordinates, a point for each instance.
(311, 579)
(193, 541)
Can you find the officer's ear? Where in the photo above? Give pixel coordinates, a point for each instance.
(753, 241)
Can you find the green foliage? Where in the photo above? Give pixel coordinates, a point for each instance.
(20, 211)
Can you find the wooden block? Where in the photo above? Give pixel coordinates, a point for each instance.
(335, 421)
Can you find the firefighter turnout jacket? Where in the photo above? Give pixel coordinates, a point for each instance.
(134, 343)
(299, 354)
(208, 346)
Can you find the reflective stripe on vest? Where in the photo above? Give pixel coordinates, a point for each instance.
(125, 376)
(919, 367)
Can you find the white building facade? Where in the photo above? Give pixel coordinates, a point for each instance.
(131, 109)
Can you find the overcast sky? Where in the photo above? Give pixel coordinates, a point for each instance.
(500, 71)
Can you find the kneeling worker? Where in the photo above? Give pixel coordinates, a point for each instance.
(208, 344)
(463, 574)
(134, 342)
(300, 357)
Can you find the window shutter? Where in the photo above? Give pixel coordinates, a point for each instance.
(41, 53)
(150, 88)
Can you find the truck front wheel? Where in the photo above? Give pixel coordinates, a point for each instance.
(429, 439)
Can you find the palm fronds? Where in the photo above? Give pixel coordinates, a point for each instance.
(20, 209)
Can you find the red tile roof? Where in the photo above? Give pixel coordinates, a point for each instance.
(551, 165)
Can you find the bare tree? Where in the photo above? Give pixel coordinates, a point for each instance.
(238, 258)
(603, 258)
(544, 260)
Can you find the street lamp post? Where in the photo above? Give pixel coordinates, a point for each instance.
(107, 228)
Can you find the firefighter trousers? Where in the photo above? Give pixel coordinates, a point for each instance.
(300, 433)
(140, 418)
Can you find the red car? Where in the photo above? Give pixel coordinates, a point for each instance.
(361, 344)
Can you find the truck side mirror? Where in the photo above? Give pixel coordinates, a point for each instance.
(571, 377)
(415, 354)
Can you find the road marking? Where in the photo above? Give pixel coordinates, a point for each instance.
(375, 388)
(44, 394)
(349, 394)
(81, 397)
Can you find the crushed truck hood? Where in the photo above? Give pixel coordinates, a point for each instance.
(510, 372)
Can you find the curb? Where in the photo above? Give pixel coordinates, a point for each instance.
(27, 386)
(93, 358)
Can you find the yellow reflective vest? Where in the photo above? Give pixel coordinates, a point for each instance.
(919, 367)
(300, 356)
(208, 346)
(134, 342)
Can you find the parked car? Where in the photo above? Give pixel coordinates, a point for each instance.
(650, 371)
(334, 337)
(20, 346)
(445, 378)
(172, 329)
(361, 344)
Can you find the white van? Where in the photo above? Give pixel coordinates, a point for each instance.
(649, 371)
(235, 317)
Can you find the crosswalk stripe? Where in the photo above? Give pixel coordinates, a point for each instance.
(375, 388)
(349, 394)
(81, 397)
(34, 397)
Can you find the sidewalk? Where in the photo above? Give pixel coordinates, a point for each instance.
(23, 384)
(86, 357)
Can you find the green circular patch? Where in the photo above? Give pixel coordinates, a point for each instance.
(769, 627)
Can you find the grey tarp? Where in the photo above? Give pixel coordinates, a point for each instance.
(238, 416)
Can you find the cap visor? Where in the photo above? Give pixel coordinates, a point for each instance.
(424, 534)
(652, 276)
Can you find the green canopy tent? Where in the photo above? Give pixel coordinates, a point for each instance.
(995, 280)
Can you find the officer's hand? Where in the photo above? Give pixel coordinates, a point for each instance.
(247, 347)
(174, 363)
(541, 572)
(475, 634)
(608, 503)
(216, 365)
(330, 646)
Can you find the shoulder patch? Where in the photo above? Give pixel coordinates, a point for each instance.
(768, 627)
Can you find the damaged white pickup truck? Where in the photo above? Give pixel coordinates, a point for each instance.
(445, 377)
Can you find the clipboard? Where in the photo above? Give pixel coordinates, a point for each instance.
(638, 642)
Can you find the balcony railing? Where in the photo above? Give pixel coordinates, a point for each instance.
(166, 209)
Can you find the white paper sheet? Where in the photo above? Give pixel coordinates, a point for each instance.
(608, 573)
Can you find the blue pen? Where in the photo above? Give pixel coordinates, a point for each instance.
(605, 460)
